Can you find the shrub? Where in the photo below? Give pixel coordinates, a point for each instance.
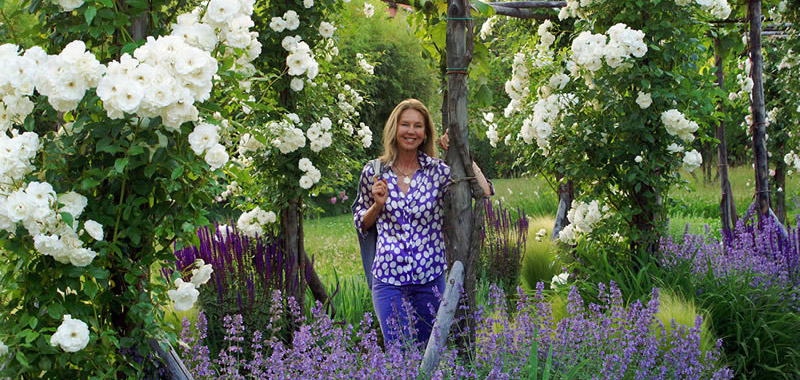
(246, 271)
(750, 288)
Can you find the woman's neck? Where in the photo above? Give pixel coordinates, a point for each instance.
(406, 159)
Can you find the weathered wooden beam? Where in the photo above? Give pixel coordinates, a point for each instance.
(520, 13)
(517, 9)
(759, 126)
(444, 318)
(528, 4)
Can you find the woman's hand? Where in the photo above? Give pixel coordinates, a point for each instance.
(444, 141)
(380, 191)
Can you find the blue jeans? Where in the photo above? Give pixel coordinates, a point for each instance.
(388, 302)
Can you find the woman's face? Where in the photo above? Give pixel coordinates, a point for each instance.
(410, 130)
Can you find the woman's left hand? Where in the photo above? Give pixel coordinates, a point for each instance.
(444, 141)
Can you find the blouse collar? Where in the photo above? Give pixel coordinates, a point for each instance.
(423, 159)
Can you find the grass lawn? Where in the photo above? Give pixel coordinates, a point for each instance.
(333, 243)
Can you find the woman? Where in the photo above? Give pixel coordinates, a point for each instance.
(405, 201)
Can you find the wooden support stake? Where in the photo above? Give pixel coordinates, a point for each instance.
(444, 319)
(176, 370)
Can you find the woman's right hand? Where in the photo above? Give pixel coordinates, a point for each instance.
(380, 191)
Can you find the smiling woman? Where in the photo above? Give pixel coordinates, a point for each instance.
(404, 201)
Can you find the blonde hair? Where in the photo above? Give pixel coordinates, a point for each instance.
(428, 145)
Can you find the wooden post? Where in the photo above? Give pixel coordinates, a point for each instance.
(727, 207)
(460, 218)
(565, 196)
(757, 107)
(290, 229)
(444, 318)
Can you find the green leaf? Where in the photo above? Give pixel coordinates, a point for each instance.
(55, 311)
(481, 6)
(22, 359)
(439, 35)
(134, 150)
(98, 273)
(108, 145)
(67, 218)
(177, 172)
(90, 288)
(89, 183)
(107, 3)
(134, 234)
(30, 336)
(91, 11)
(484, 96)
(120, 164)
(45, 364)
(33, 322)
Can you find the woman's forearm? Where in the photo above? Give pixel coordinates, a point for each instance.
(371, 216)
(482, 181)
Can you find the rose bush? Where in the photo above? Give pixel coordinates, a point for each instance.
(99, 179)
(616, 108)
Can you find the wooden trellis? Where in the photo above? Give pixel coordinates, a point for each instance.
(466, 220)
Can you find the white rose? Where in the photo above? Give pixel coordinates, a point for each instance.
(267, 217)
(73, 203)
(201, 275)
(692, 160)
(69, 5)
(326, 29)
(184, 296)
(306, 182)
(3, 349)
(298, 62)
(305, 164)
(216, 157)
(297, 84)
(94, 229)
(292, 20)
(559, 280)
(277, 24)
(644, 100)
(81, 257)
(72, 335)
(638, 159)
(203, 137)
(789, 158)
(674, 148)
(221, 11)
(369, 10)
(308, 3)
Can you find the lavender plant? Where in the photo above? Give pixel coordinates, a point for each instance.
(750, 284)
(598, 341)
(246, 271)
(503, 244)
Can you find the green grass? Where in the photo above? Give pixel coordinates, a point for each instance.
(333, 244)
(533, 195)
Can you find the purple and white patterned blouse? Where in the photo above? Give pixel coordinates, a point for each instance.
(410, 246)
